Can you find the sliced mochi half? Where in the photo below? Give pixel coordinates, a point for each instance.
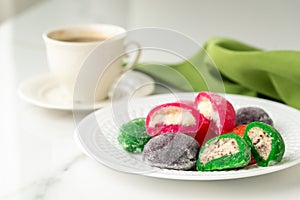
(172, 118)
(217, 110)
(267, 145)
(227, 151)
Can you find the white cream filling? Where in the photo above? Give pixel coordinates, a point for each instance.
(206, 109)
(172, 115)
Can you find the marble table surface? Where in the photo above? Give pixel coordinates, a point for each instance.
(39, 158)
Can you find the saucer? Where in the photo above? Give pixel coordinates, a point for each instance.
(44, 91)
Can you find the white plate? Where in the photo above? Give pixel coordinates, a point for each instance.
(97, 135)
(44, 91)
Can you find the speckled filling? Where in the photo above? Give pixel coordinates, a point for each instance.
(261, 141)
(219, 148)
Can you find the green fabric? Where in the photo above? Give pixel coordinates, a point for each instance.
(244, 69)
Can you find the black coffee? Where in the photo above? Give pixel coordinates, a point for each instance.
(83, 39)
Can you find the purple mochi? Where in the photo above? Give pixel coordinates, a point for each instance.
(171, 151)
(247, 115)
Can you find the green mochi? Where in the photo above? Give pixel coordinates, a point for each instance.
(277, 148)
(133, 136)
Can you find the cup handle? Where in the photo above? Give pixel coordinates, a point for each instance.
(132, 64)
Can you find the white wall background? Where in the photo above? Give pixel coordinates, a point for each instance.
(9, 8)
(269, 24)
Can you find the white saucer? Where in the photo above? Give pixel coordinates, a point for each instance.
(44, 91)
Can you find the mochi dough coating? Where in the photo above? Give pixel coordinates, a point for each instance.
(171, 151)
(133, 136)
(250, 114)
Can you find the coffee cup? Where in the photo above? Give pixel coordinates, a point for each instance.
(68, 49)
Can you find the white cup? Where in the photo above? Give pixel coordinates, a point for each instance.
(68, 48)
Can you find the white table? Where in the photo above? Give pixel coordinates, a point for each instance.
(39, 159)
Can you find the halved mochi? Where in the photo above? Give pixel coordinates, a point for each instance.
(267, 145)
(227, 151)
(217, 110)
(172, 118)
